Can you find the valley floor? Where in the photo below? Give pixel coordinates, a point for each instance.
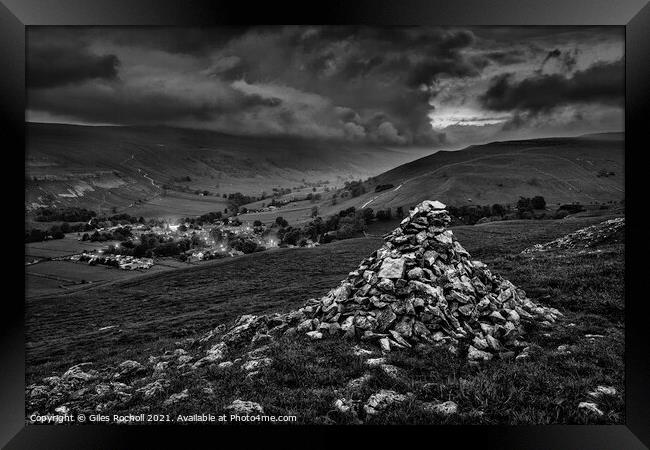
(152, 314)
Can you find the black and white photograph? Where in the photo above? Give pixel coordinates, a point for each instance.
(325, 225)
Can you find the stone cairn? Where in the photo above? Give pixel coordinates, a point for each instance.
(421, 287)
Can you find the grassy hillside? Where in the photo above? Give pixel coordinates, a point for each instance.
(155, 313)
(183, 302)
(102, 167)
(562, 170)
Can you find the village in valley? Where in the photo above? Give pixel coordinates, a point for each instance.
(127, 244)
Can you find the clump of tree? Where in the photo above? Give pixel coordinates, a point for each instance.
(119, 234)
(355, 188)
(571, 208)
(238, 199)
(289, 236)
(37, 235)
(118, 219)
(529, 204)
(384, 187)
(278, 192)
(471, 214)
(209, 218)
(345, 224)
(605, 173)
(150, 244)
(354, 223)
(384, 214)
(55, 231)
(281, 222)
(103, 222)
(245, 245)
(64, 214)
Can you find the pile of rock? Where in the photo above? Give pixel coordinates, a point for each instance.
(421, 286)
(607, 232)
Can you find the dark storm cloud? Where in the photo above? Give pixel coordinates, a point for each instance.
(414, 56)
(600, 83)
(567, 59)
(428, 71)
(351, 82)
(505, 57)
(109, 106)
(555, 53)
(570, 59)
(360, 68)
(177, 40)
(59, 65)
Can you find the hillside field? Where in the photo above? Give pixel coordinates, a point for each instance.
(126, 168)
(587, 170)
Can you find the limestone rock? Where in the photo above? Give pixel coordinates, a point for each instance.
(359, 382)
(391, 371)
(358, 351)
(152, 389)
(602, 390)
(375, 362)
(345, 406)
(315, 335)
(128, 369)
(225, 365)
(392, 268)
(243, 407)
(446, 408)
(77, 373)
(473, 354)
(175, 398)
(590, 407)
(256, 364)
(382, 400)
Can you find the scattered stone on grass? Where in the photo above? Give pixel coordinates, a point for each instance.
(175, 398)
(153, 389)
(381, 400)
(375, 362)
(128, 369)
(256, 364)
(602, 390)
(608, 231)
(244, 407)
(590, 407)
(446, 408)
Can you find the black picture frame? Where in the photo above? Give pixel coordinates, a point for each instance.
(634, 15)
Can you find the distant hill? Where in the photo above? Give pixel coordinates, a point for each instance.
(102, 167)
(583, 169)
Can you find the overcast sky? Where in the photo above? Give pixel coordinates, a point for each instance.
(437, 87)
